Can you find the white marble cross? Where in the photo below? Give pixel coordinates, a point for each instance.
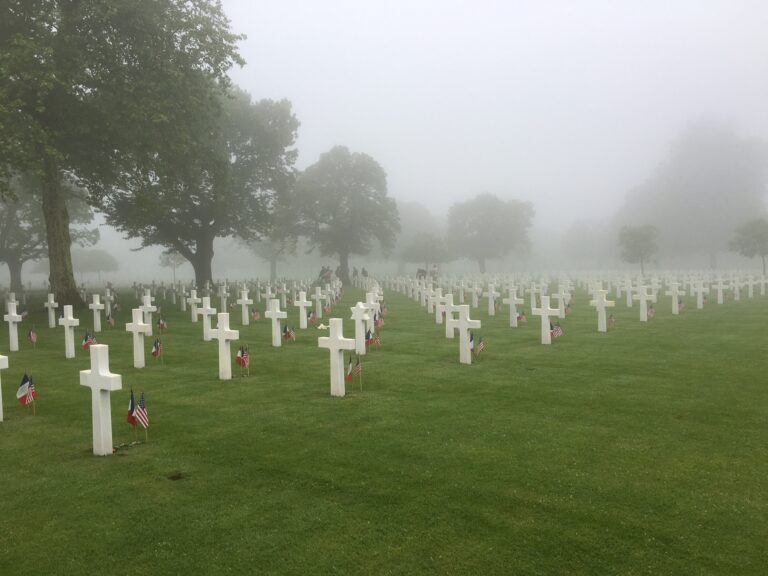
(601, 303)
(512, 300)
(675, 292)
(283, 291)
(302, 303)
(139, 329)
(449, 308)
(491, 294)
(374, 307)
(360, 316)
(336, 344)
(97, 307)
(720, 287)
(463, 324)
(69, 322)
(223, 294)
(224, 335)
(276, 315)
(562, 296)
(51, 305)
(206, 312)
(193, 301)
(13, 320)
(441, 305)
(545, 312)
(244, 303)
(3, 366)
(108, 299)
(433, 298)
(318, 298)
(475, 295)
(101, 382)
(700, 289)
(644, 296)
(147, 307)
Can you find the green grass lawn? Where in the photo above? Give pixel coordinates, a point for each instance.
(639, 451)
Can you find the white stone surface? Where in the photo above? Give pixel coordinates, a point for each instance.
(139, 328)
(224, 335)
(69, 322)
(276, 315)
(101, 382)
(336, 344)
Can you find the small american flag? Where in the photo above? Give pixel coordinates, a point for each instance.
(521, 318)
(256, 315)
(480, 346)
(157, 348)
(246, 358)
(32, 336)
(358, 367)
(556, 331)
(162, 324)
(141, 412)
(26, 392)
(312, 318)
(88, 340)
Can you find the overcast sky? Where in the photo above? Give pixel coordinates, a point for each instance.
(566, 104)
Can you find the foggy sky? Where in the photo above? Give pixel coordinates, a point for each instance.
(567, 104)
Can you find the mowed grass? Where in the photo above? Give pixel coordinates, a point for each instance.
(639, 451)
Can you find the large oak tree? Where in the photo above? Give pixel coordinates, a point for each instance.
(344, 206)
(90, 87)
(226, 184)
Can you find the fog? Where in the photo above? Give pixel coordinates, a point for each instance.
(568, 105)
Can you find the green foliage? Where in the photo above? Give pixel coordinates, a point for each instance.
(226, 187)
(635, 451)
(426, 248)
(638, 244)
(488, 227)
(713, 180)
(344, 205)
(751, 239)
(96, 88)
(94, 261)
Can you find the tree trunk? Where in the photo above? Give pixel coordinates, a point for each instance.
(273, 269)
(202, 263)
(56, 216)
(481, 263)
(14, 267)
(344, 265)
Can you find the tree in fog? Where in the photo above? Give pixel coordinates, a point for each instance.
(94, 88)
(751, 239)
(22, 226)
(427, 248)
(344, 206)
(224, 185)
(94, 261)
(171, 259)
(638, 244)
(415, 219)
(712, 180)
(281, 239)
(487, 227)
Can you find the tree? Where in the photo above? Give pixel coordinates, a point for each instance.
(488, 227)
(172, 259)
(22, 230)
(344, 206)
(88, 88)
(638, 244)
(94, 261)
(712, 180)
(226, 185)
(415, 219)
(751, 239)
(282, 238)
(426, 248)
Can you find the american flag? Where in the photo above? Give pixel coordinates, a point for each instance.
(368, 338)
(289, 333)
(556, 330)
(376, 340)
(157, 348)
(256, 315)
(480, 346)
(521, 318)
(32, 336)
(239, 357)
(312, 317)
(141, 412)
(111, 321)
(358, 367)
(161, 324)
(378, 321)
(26, 392)
(88, 340)
(246, 358)
(131, 417)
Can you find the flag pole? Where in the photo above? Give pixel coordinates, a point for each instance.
(146, 435)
